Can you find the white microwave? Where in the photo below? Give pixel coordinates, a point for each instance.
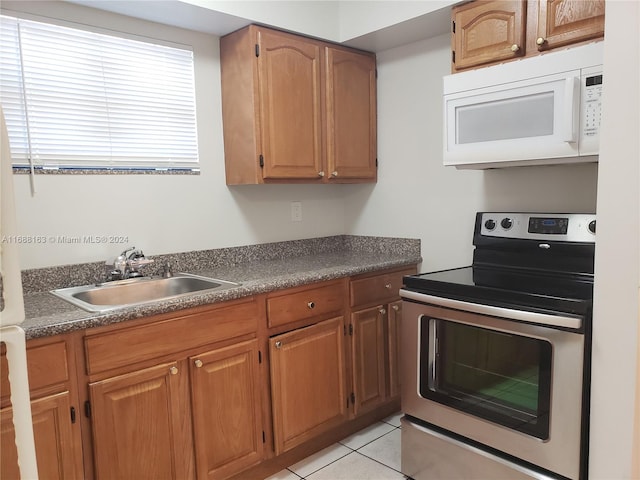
(534, 111)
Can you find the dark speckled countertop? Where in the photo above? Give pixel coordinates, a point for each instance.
(259, 269)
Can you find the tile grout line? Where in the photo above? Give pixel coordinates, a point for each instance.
(330, 463)
(379, 462)
(353, 450)
(376, 460)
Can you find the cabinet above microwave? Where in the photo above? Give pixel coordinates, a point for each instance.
(536, 111)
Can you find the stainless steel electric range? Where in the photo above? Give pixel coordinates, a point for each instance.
(496, 356)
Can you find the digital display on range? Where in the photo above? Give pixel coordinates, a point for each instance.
(548, 225)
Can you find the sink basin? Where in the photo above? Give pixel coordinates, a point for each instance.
(125, 293)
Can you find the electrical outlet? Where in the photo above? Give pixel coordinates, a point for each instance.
(296, 211)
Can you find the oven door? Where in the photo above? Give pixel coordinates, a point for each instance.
(512, 386)
(498, 375)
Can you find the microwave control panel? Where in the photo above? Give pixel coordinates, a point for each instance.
(591, 108)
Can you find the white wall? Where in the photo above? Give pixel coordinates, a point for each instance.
(414, 197)
(615, 320)
(418, 197)
(317, 18)
(165, 213)
(361, 17)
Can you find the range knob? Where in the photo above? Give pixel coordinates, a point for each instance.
(592, 226)
(490, 224)
(506, 223)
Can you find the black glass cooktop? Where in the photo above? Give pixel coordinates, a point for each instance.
(509, 288)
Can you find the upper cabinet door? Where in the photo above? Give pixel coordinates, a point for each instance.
(488, 31)
(562, 22)
(290, 101)
(351, 114)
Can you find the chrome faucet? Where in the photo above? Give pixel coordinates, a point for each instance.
(126, 264)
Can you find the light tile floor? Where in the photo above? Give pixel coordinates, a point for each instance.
(370, 454)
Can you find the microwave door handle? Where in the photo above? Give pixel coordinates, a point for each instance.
(570, 110)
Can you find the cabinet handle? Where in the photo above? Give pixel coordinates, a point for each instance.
(321, 174)
(173, 370)
(388, 286)
(382, 311)
(541, 41)
(334, 173)
(395, 308)
(198, 363)
(278, 344)
(515, 47)
(311, 305)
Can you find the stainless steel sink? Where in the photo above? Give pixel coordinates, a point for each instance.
(125, 293)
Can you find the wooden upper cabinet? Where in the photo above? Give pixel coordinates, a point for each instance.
(351, 115)
(296, 110)
(488, 31)
(485, 32)
(290, 101)
(563, 22)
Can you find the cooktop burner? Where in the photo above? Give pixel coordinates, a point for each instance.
(520, 289)
(527, 261)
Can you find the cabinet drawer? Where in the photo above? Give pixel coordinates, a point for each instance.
(47, 367)
(301, 304)
(126, 346)
(378, 289)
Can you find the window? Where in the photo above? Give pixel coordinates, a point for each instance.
(79, 99)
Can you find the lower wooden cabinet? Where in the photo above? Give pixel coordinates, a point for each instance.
(376, 311)
(368, 358)
(214, 392)
(54, 411)
(225, 401)
(137, 425)
(56, 454)
(307, 382)
(143, 421)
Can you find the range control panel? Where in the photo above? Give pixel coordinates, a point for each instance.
(571, 227)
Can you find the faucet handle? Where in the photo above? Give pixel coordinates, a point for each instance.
(124, 252)
(167, 270)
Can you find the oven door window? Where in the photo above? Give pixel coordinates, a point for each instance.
(497, 376)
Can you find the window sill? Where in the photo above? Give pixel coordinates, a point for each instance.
(106, 171)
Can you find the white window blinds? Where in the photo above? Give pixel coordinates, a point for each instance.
(79, 99)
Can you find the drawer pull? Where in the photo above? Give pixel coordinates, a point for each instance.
(278, 344)
(198, 363)
(395, 308)
(388, 286)
(311, 305)
(173, 370)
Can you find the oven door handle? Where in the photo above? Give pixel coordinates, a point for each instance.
(574, 323)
